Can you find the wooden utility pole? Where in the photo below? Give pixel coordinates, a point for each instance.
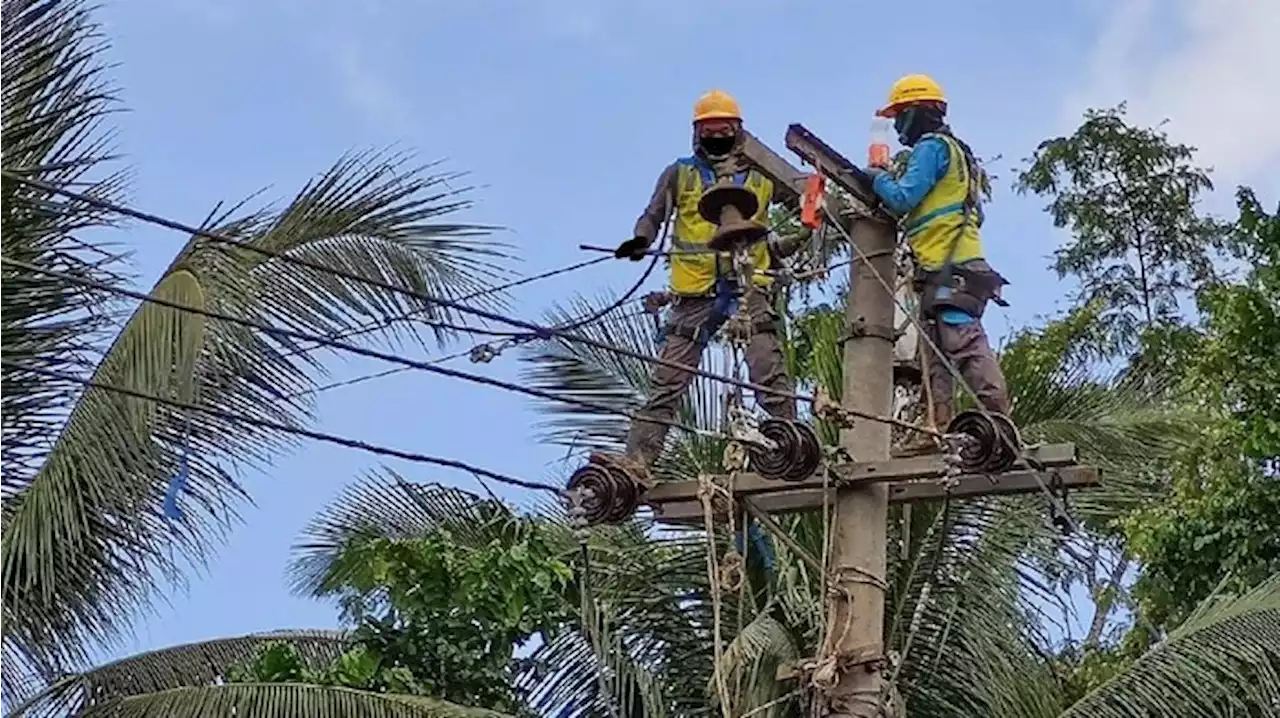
(848, 671)
(856, 605)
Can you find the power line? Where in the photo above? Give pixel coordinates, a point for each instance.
(354, 349)
(536, 331)
(284, 428)
(367, 377)
(383, 324)
(401, 369)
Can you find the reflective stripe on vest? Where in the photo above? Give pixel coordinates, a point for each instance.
(694, 268)
(940, 221)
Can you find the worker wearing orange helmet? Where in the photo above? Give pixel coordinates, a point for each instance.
(703, 287)
(938, 196)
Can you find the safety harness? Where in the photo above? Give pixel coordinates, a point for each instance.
(724, 305)
(953, 285)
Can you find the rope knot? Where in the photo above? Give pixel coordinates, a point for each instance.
(732, 571)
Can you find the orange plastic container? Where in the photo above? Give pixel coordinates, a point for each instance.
(878, 151)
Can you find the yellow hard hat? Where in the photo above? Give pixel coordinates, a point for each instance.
(909, 89)
(716, 105)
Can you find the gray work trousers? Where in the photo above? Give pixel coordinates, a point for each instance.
(967, 347)
(765, 366)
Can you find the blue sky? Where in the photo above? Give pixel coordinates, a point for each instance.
(564, 112)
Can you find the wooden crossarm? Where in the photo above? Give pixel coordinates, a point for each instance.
(968, 486)
(917, 467)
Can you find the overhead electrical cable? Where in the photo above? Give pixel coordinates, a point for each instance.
(284, 428)
(535, 330)
(352, 348)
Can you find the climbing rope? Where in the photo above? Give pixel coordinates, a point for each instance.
(575, 505)
(708, 492)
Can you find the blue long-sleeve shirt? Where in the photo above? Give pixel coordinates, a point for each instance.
(928, 164)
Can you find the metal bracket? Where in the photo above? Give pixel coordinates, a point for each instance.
(744, 427)
(859, 329)
(835, 166)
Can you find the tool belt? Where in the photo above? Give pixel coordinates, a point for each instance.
(972, 285)
(725, 298)
(702, 333)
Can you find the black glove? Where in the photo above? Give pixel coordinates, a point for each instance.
(632, 249)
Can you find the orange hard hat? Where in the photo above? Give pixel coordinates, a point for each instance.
(716, 105)
(909, 89)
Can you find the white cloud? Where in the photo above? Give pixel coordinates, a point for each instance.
(1210, 67)
(366, 89)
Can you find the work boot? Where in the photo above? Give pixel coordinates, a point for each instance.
(920, 443)
(634, 468)
(916, 445)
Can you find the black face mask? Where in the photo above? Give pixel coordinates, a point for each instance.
(913, 122)
(717, 146)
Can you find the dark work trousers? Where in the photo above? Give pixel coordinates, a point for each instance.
(765, 366)
(966, 346)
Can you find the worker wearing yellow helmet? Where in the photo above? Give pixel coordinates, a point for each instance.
(703, 286)
(938, 196)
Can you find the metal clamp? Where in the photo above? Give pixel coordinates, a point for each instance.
(483, 353)
(827, 410)
(744, 428)
(859, 328)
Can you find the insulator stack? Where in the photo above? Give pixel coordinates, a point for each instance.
(796, 455)
(614, 495)
(994, 444)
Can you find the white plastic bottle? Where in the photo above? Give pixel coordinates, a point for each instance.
(878, 150)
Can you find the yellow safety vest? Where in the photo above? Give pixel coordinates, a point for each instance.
(941, 219)
(694, 269)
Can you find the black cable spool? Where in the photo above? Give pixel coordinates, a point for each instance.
(809, 453)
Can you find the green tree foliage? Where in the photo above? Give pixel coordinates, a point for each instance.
(436, 617)
(1128, 196)
(1222, 522)
(435, 611)
(1138, 245)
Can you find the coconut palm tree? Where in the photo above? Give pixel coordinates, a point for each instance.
(108, 497)
(966, 606)
(967, 594)
(965, 602)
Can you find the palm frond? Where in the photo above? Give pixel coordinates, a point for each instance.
(55, 99)
(386, 506)
(383, 218)
(585, 372)
(963, 615)
(1120, 421)
(750, 662)
(282, 700)
(85, 542)
(1223, 661)
(187, 665)
(622, 383)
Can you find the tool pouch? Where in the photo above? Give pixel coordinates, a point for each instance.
(968, 288)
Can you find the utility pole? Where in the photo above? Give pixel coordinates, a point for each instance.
(848, 672)
(855, 608)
